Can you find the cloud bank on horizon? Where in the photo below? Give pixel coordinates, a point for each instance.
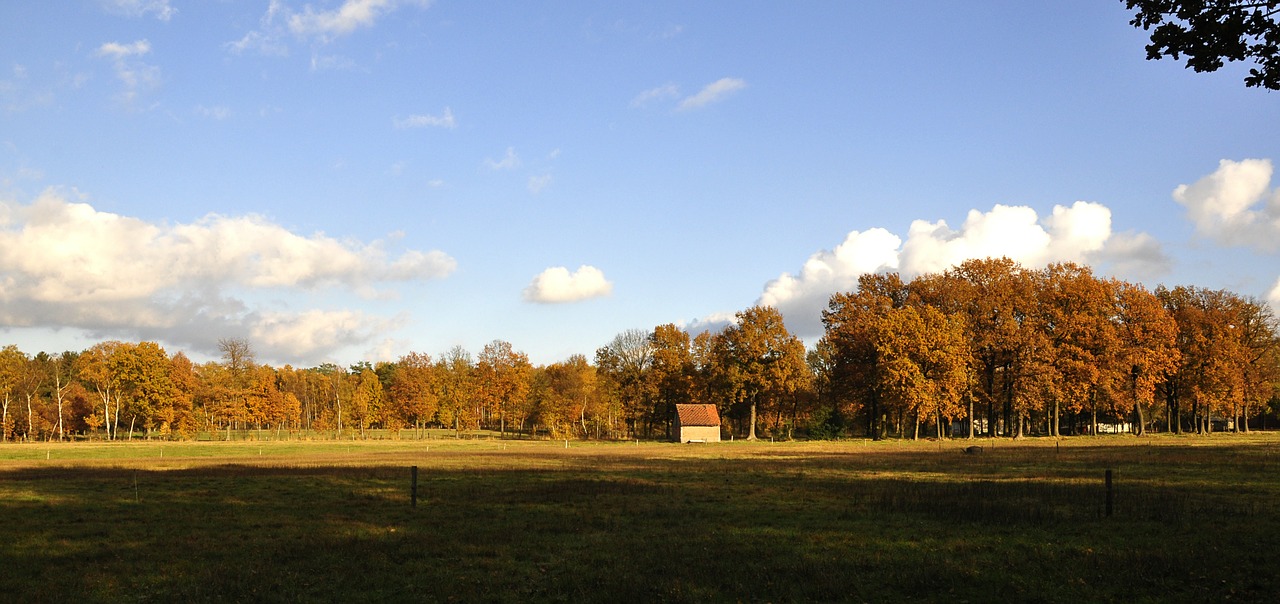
(1077, 233)
(69, 265)
(1235, 205)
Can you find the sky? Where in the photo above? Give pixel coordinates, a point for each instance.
(348, 180)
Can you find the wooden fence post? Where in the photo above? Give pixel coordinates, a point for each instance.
(1110, 494)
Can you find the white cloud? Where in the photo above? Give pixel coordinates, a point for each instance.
(558, 285)
(802, 297)
(137, 76)
(509, 161)
(350, 16)
(664, 92)
(711, 93)
(1235, 205)
(281, 22)
(264, 43)
(444, 120)
(1274, 296)
(713, 323)
(116, 50)
(1080, 233)
(65, 264)
(538, 184)
(139, 8)
(1069, 234)
(298, 335)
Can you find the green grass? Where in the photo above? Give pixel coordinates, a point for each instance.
(1195, 519)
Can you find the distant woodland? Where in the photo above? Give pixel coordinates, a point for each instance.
(986, 349)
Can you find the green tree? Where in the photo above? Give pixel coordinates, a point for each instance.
(1211, 32)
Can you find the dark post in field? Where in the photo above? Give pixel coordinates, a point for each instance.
(413, 486)
(1110, 494)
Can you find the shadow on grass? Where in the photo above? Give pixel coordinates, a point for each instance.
(1010, 525)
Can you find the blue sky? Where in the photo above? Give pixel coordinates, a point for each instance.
(356, 179)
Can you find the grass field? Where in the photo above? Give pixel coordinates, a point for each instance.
(1195, 519)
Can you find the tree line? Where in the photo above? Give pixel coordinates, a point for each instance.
(986, 348)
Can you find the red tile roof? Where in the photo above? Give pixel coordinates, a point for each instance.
(698, 415)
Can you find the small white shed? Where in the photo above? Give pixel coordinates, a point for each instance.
(697, 423)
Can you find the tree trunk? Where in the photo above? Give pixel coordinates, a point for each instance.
(970, 417)
(752, 434)
(1053, 427)
(1140, 427)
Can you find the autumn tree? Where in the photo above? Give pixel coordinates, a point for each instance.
(624, 365)
(502, 376)
(456, 389)
(923, 357)
(763, 360)
(96, 367)
(1146, 349)
(366, 400)
(12, 366)
(61, 369)
(671, 372)
(852, 324)
(1209, 373)
(1077, 317)
(181, 417)
(412, 396)
(566, 394)
(143, 373)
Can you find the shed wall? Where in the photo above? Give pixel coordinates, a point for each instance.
(709, 434)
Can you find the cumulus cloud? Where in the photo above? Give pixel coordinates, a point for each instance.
(557, 285)
(139, 8)
(1274, 296)
(1235, 205)
(711, 93)
(1078, 233)
(444, 120)
(64, 263)
(713, 323)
